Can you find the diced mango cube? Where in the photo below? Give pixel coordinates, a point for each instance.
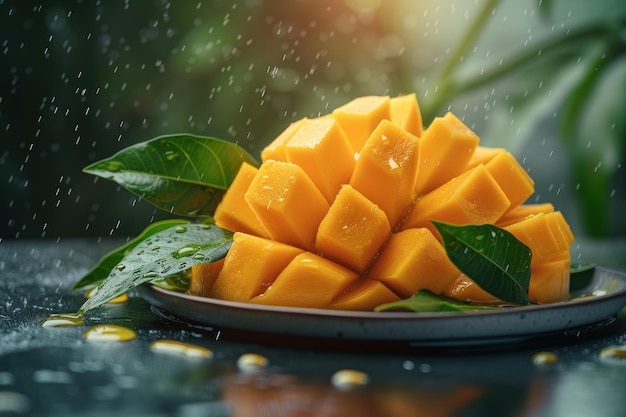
(322, 150)
(445, 149)
(352, 231)
(405, 112)
(473, 197)
(308, 281)
(364, 296)
(251, 265)
(287, 203)
(359, 118)
(385, 171)
(233, 213)
(413, 260)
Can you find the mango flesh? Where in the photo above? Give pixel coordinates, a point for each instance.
(339, 214)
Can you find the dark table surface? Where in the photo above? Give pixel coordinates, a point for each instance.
(55, 371)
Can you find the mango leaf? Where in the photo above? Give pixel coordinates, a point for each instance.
(168, 252)
(425, 301)
(183, 174)
(595, 138)
(495, 259)
(108, 261)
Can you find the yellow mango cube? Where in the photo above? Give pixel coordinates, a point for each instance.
(446, 147)
(405, 112)
(359, 118)
(251, 265)
(308, 281)
(287, 203)
(352, 231)
(322, 150)
(386, 169)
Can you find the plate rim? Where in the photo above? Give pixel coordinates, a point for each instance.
(358, 322)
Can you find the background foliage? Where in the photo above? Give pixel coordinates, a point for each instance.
(80, 80)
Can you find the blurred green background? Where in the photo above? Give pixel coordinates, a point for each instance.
(80, 80)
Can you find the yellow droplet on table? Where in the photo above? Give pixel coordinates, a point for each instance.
(349, 378)
(614, 353)
(174, 347)
(109, 333)
(63, 320)
(119, 299)
(544, 358)
(249, 362)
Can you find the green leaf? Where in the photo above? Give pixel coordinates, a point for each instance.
(425, 301)
(168, 252)
(596, 141)
(108, 261)
(581, 275)
(183, 174)
(492, 257)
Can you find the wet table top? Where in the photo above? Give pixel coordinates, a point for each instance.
(55, 371)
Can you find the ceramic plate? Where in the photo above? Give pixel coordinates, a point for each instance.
(599, 298)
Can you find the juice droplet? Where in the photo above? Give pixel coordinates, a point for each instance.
(63, 320)
(615, 354)
(544, 358)
(349, 378)
(109, 332)
(173, 347)
(119, 299)
(250, 362)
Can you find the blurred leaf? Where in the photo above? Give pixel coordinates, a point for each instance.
(426, 302)
(168, 252)
(596, 140)
(108, 262)
(182, 174)
(492, 257)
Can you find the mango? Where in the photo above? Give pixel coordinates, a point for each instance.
(320, 147)
(339, 214)
(405, 112)
(276, 149)
(413, 260)
(251, 265)
(233, 212)
(385, 171)
(522, 211)
(287, 203)
(445, 149)
(474, 197)
(307, 281)
(365, 294)
(463, 288)
(353, 230)
(359, 118)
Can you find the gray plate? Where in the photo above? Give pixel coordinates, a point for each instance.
(425, 329)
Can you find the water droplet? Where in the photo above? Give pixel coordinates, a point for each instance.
(544, 358)
(109, 333)
(180, 229)
(63, 320)
(614, 354)
(115, 166)
(250, 362)
(187, 250)
(170, 155)
(173, 347)
(349, 378)
(151, 274)
(120, 267)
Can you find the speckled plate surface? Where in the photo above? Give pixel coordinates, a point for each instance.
(596, 300)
